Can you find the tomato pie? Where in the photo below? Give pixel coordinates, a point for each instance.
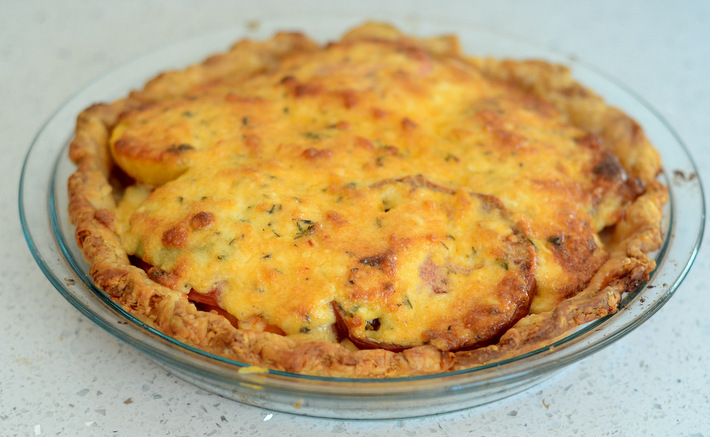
(382, 205)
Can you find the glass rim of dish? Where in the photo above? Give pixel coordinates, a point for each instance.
(48, 233)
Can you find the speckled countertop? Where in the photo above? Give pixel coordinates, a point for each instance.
(62, 375)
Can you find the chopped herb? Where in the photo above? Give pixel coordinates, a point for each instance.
(305, 227)
(349, 313)
(408, 302)
(275, 233)
(449, 157)
(378, 222)
(245, 121)
(268, 255)
(503, 263)
(178, 148)
(305, 330)
(451, 237)
(311, 135)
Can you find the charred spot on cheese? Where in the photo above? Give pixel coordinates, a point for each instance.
(201, 220)
(175, 237)
(312, 153)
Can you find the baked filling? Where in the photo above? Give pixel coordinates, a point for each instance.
(378, 206)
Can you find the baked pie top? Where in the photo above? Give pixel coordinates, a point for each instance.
(379, 206)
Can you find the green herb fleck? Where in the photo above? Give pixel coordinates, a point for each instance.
(305, 227)
(311, 135)
(449, 158)
(531, 242)
(178, 148)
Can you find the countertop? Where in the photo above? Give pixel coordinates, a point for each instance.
(62, 375)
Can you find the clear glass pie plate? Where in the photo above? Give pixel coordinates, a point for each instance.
(50, 236)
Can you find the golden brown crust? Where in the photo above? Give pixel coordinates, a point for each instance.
(602, 275)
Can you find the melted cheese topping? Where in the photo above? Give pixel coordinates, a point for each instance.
(377, 188)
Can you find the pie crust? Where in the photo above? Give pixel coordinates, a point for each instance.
(539, 215)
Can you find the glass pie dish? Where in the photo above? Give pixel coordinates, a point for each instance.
(50, 236)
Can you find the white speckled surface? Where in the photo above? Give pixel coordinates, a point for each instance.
(61, 375)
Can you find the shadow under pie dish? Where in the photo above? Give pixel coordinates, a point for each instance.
(381, 206)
